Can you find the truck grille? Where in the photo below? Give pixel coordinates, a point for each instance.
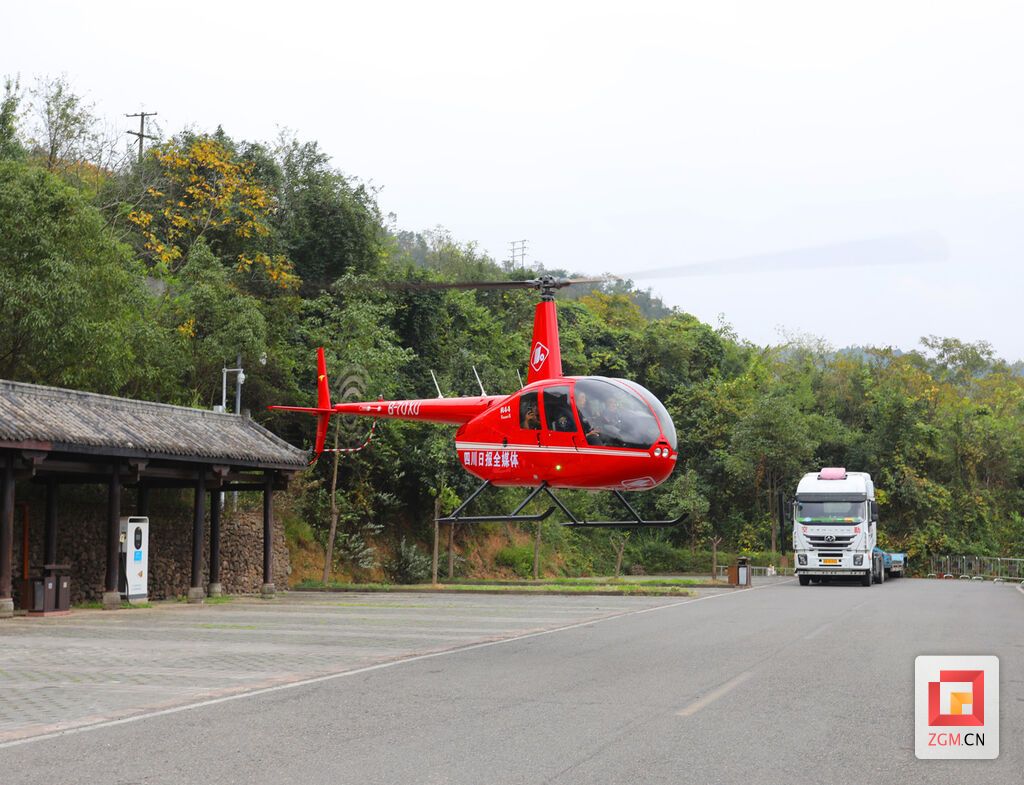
(839, 540)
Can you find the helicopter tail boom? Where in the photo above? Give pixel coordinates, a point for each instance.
(450, 411)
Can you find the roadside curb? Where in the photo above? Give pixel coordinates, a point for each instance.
(442, 590)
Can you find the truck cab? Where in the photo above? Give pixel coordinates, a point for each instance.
(835, 520)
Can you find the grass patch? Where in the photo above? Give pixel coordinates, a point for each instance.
(509, 587)
(219, 600)
(627, 581)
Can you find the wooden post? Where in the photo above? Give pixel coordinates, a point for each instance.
(433, 565)
(536, 554)
(50, 537)
(714, 557)
(451, 551)
(215, 588)
(111, 596)
(773, 525)
(7, 541)
(268, 535)
(195, 589)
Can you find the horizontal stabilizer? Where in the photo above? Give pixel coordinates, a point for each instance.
(305, 409)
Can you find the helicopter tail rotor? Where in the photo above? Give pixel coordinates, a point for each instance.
(323, 400)
(323, 409)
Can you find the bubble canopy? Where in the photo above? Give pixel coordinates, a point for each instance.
(620, 413)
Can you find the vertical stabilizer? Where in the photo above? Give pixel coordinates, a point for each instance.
(545, 352)
(323, 400)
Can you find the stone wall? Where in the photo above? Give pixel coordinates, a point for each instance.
(82, 538)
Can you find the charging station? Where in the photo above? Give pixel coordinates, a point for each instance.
(134, 545)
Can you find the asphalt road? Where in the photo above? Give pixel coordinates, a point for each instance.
(778, 684)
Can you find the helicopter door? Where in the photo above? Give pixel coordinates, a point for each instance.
(559, 420)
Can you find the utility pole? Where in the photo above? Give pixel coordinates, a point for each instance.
(141, 133)
(518, 250)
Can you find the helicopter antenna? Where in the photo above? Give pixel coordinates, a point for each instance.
(520, 378)
(482, 390)
(438, 386)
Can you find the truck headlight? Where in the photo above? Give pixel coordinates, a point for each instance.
(858, 559)
(801, 559)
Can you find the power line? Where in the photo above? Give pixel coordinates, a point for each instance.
(141, 133)
(518, 250)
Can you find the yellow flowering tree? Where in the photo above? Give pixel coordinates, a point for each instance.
(204, 190)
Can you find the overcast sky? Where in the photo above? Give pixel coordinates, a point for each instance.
(624, 136)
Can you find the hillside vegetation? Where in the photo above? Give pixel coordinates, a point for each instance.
(144, 279)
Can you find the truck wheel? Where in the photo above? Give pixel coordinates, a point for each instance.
(865, 579)
(804, 579)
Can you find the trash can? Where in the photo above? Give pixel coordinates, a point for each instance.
(60, 574)
(44, 594)
(743, 571)
(63, 592)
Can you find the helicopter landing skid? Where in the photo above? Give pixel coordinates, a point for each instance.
(517, 516)
(635, 523)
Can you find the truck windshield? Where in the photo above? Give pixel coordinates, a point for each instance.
(830, 512)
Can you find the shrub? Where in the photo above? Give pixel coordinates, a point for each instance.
(659, 556)
(407, 564)
(517, 557)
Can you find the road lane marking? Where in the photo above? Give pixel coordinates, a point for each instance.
(369, 668)
(714, 695)
(817, 631)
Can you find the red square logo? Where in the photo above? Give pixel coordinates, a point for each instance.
(958, 699)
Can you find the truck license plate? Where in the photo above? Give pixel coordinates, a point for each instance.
(830, 561)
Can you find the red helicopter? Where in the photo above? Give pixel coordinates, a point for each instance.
(583, 432)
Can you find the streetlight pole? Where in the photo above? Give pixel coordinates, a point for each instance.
(238, 387)
(239, 381)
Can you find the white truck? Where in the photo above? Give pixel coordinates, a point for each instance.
(835, 521)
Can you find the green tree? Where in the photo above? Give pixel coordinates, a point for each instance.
(10, 146)
(770, 447)
(72, 301)
(327, 224)
(214, 321)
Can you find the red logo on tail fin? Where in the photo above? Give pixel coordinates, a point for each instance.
(538, 356)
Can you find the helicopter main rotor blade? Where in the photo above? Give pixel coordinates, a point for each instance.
(459, 285)
(577, 281)
(536, 283)
(878, 251)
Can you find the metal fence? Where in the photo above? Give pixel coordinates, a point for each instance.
(723, 570)
(990, 567)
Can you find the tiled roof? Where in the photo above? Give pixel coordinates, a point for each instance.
(70, 421)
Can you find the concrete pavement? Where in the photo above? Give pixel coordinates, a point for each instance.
(58, 673)
(782, 684)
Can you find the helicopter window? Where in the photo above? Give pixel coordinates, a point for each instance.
(557, 410)
(529, 412)
(614, 417)
(664, 418)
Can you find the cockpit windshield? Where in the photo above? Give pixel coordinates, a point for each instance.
(667, 426)
(614, 416)
(830, 512)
